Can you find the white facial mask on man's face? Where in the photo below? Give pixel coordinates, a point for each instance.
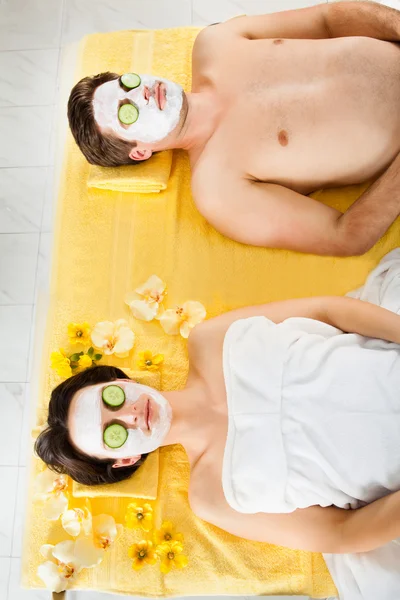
(88, 422)
(153, 124)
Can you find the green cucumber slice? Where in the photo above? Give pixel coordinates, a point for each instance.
(128, 114)
(131, 80)
(115, 435)
(113, 395)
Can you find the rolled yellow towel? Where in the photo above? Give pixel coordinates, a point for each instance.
(148, 177)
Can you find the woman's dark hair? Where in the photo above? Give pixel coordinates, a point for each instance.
(53, 445)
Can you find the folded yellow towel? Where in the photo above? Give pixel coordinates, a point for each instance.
(99, 256)
(148, 177)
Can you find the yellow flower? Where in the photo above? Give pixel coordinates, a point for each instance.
(149, 362)
(78, 333)
(113, 338)
(167, 534)
(171, 556)
(146, 301)
(183, 318)
(142, 554)
(51, 489)
(61, 363)
(139, 516)
(84, 361)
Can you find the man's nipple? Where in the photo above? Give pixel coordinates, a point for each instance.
(283, 137)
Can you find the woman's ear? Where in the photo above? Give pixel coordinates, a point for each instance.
(126, 462)
(140, 154)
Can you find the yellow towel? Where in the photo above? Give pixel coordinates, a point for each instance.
(102, 254)
(148, 177)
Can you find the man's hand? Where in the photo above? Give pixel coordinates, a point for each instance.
(333, 19)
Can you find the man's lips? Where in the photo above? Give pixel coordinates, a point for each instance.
(160, 95)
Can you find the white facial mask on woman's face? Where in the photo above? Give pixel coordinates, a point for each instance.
(88, 422)
(153, 124)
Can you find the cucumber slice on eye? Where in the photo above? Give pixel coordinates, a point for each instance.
(115, 435)
(128, 114)
(113, 395)
(131, 80)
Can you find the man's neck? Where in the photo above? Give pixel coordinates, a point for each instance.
(200, 123)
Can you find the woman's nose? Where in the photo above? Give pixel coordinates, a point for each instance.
(129, 413)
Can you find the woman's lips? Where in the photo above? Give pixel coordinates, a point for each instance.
(149, 412)
(160, 95)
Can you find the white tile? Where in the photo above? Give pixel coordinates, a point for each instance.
(49, 201)
(44, 263)
(18, 260)
(90, 16)
(9, 480)
(28, 77)
(22, 194)
(25, 442)
(15, 325)
(20, 512)
(25, 136)
(15, 592)
(5, 564)
(206, 12)
(26, 24)
(12, 397)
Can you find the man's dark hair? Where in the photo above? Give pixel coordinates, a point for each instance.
(53, 445)
(105, 150)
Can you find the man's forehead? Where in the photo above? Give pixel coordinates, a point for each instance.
(108, 92)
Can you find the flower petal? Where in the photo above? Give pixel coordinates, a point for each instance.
(71, 522)
(143, 310)
(87, 554)
(50, 575)
(153, 283)
(195, 311)
(137, 564)
(125, 340)
(55, 505)
(104, 525)
(170, 321)
(47, 551)
(101, 333)
(165, 566)
(158, 359)
(44, 482)
(180, 561)
(185, 329)
(64, 552)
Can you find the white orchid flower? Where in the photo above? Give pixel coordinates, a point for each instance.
(113, 338)
(146, 301)
(76, 521)
(183, 318)
(50, 489)
(91, 548)
(61, 567)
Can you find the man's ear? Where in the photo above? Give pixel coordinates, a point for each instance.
(136, 154)
(126, 462)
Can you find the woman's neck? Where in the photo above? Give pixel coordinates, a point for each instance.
(193, 416)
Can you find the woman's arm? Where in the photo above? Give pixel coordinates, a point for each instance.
(348, 314)
(332, 530)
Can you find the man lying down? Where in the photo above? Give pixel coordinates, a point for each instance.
(281, 105)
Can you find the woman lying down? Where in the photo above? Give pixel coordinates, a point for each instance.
(290, 419)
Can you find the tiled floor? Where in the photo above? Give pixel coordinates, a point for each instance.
(32, 32)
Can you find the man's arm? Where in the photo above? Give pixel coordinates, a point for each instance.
(333, 19)
(270, 215)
